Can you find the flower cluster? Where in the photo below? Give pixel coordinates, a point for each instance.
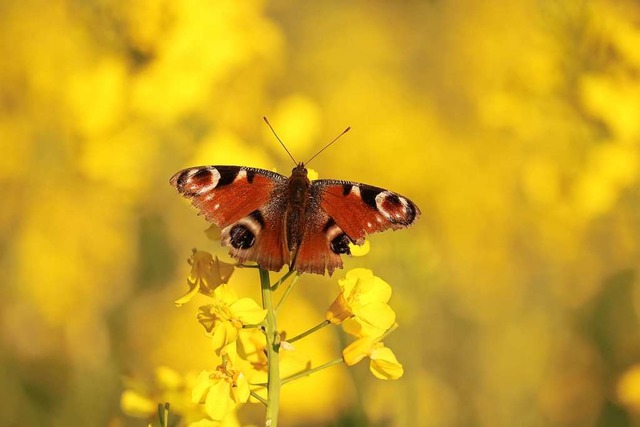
(254, 358)
(362, 309)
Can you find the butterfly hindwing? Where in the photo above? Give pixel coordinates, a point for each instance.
(323, 241)
(246, 203)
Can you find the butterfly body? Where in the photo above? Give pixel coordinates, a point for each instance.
(274, 220)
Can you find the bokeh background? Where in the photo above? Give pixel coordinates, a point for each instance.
(515, 126)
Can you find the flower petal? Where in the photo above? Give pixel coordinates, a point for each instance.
(219, 401)
(384, 364)
(205, 422)
(201, 387)
(373, 289)
(352, 277)
(225, 294)
(357, 350)
(168, 379)
(248, 311)
(377, 314)
(339, 310)
(136, 404)
(194, 287)
(240, 389)
(361, 250)
(359, 329)
(224, 333)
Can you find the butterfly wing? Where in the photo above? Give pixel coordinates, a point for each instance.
(246, 203)
(341, 212)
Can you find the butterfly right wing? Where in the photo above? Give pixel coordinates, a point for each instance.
(342, 212)
(246, 203)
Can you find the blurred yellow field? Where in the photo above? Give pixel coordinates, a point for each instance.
(514, 126)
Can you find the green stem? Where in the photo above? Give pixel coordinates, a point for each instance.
(241, 265)
(311, 371)
(287, 291)
(282, 279)
(163, 414)
(259, 398)
(273, 348)
(310, 331)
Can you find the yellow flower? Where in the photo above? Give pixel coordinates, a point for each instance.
(364, 300)
(361, 250)
(252, 346)
(221, 390)
(137, 404)
(206, 275)
(628, 389)
(141, 400)
(231, 420)
(383, 363)
(226, 316)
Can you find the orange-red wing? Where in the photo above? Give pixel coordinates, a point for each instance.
(360, 209)
(225, 194)
(315, 254)
(340, 212)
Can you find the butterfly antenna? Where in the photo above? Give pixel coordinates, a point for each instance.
(328, 145)
(279, 140)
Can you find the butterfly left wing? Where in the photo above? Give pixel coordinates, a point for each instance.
(341, 212)
(246, 203)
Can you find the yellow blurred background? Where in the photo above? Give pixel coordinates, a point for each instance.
(515, 126)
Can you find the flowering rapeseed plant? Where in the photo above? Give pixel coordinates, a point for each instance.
(255, 358)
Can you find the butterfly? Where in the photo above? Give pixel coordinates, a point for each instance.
(275, 220)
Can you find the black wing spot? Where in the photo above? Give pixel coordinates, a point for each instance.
(411, 213)
(257, 215)
(340, 245)
(368, 195)
(250, 175)
(227, 176)
(330, 223)
(201, 174)
(346, 189)
(393, 200)
(181, 180)
(241, 237)
(392, 204)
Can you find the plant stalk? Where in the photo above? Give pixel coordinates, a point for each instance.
(273, 349)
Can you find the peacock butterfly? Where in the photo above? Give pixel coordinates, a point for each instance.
(274, 220)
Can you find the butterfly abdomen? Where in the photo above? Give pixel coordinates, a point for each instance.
(298, 186)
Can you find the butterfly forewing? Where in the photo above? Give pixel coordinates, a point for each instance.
(225, 194)
(361, 209)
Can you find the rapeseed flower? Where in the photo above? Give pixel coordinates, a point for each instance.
(363, 302)
(227, 315)
(207, 273)
(221, 390)
(383, 362)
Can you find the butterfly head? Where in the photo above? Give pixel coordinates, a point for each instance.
(299, 170)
